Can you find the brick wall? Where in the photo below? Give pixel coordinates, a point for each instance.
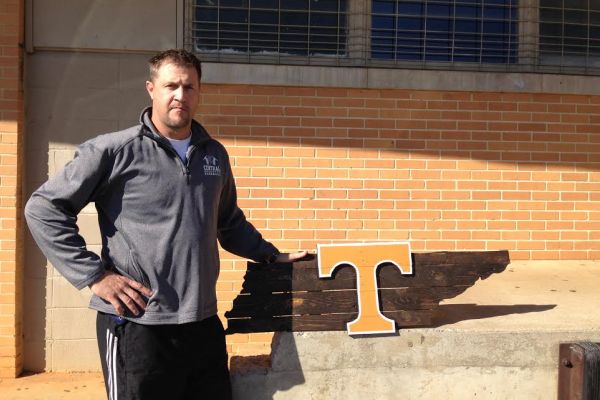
(11, 136)
(443, 170)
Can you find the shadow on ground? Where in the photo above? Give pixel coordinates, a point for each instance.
(447, 314)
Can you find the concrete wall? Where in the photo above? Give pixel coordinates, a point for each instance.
(475, 161)
(423, 364)
(109, 24)
(72, 97)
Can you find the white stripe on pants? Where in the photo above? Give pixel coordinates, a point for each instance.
(111, 364)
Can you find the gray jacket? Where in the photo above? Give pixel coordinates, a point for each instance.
(159, 219)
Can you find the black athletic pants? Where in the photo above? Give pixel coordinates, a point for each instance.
(146, 362)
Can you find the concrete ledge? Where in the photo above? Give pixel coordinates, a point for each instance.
(498, 340)
(398, 78)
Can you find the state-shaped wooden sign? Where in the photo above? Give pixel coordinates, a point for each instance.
(364, 288)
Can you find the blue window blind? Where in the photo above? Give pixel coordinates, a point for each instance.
(474, 31)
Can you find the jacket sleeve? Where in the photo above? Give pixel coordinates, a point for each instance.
(235, 233)
(51, 214)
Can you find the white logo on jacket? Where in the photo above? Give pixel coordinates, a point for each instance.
(211, 166)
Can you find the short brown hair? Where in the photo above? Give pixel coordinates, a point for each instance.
(176, 56)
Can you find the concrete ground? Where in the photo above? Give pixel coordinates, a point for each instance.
(549, 296)
(54, 386)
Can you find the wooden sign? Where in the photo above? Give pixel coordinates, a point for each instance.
(292, 297)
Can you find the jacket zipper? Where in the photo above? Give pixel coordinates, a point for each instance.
(191, 150)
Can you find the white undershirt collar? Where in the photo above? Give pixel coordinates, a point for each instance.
(181, 146)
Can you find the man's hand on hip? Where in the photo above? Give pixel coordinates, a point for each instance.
(121, 292)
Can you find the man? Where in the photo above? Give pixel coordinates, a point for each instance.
(165, 195)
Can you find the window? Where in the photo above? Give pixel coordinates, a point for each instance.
(455, 31)
(570, 33)
(270, 28)
(504, 35)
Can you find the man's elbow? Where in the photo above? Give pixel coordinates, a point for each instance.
(30, 209)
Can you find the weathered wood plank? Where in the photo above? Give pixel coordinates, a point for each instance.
(301, 276)
(333, 322)
(340, 301)
(324, 322)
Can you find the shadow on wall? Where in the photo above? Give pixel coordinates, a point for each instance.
(261, 377)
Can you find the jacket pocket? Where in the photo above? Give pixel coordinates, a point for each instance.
(136, 273)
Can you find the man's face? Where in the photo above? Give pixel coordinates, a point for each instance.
(175, 93)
